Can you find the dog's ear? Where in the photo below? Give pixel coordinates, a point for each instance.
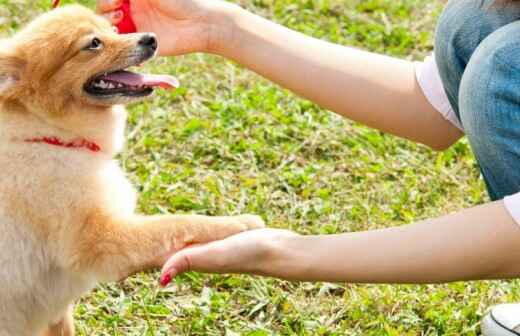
(11, 72)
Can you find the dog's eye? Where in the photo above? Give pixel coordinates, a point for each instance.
(95, 44)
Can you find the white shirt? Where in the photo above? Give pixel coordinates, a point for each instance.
(429, 80)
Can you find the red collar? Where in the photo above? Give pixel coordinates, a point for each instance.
(81, 143)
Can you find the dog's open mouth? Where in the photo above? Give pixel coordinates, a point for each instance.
(128, 84)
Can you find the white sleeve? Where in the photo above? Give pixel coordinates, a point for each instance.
(512, 204)
(429, 80)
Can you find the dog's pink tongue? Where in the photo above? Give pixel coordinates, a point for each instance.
(134, 79)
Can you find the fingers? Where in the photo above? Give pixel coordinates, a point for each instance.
(176, 265)
(104, 6)
(114, 17)
(109, 10)
(196, 258)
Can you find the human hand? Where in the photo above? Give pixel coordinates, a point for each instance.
(247, 252)
(181, 26)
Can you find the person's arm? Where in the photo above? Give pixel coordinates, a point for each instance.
(376, 90)
(478, 243)
(373, 89)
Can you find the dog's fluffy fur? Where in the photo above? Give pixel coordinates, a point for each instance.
(67, 216)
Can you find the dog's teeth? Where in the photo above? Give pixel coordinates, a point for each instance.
(111, 86)
(119, 85)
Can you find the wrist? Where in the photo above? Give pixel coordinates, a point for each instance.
(279, 255)
(223, 29)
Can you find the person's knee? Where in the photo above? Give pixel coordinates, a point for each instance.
(489, 95)
(489, 106)
(461, 28)
(455, 42)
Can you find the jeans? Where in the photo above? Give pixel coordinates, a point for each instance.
(477, 50)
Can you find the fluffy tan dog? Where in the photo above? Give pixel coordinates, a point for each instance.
(67, 216)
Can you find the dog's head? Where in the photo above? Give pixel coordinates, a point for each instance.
(71, 58)
(62, 74)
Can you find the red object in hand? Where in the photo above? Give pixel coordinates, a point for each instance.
(127, 25)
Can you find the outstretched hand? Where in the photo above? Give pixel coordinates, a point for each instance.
(246, 252)
(181, 26)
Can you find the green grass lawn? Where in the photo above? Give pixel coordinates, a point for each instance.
(229, 142)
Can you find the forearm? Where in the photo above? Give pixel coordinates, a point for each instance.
(376, 90)
(479, 243)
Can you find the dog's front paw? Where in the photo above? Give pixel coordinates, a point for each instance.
(251, 221)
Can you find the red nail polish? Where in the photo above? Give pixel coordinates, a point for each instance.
(166, 279)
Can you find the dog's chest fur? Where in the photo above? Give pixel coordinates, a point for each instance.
(46, 193)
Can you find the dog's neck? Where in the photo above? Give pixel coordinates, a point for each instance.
(77, 130)
(78, 143)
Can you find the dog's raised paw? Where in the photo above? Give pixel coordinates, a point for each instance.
(251, 221)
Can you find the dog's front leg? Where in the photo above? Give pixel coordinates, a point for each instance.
(64, 327)
(116, 248)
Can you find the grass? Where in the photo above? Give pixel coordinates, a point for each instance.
(229, 142)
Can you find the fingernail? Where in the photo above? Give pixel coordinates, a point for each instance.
(117, 15)
(166, 279)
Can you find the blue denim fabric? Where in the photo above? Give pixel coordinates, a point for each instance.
(477, 50)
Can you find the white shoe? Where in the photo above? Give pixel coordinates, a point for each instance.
(502, 320)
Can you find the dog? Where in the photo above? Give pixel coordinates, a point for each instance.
(67, 219)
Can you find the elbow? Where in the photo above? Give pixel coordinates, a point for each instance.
(440, 147)
(442, 143)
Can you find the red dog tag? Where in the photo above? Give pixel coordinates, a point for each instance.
(126, 26)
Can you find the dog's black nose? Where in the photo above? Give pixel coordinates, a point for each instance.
(148, 41)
